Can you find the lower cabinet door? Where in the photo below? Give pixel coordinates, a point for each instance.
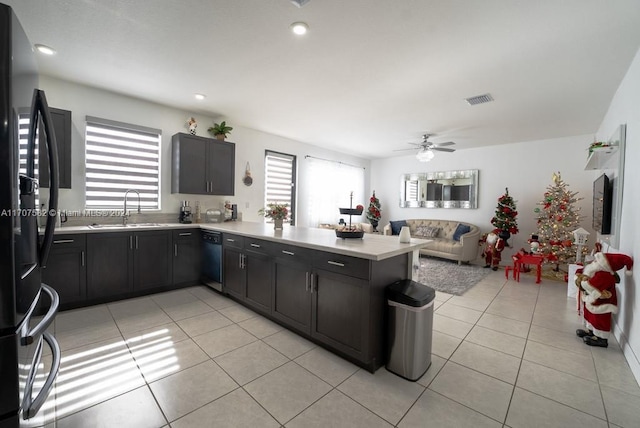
(66, 269)
(292, 294)
(233, 273)
(152, 265)
(187, 257)
(109, 264)
(258, 281)
(340, 312)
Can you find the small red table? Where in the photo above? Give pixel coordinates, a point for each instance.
(520, 260)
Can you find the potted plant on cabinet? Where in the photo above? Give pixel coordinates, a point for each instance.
(220, 130)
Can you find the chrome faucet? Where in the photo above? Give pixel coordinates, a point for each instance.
(125, 214)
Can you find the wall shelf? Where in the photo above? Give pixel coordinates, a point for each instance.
(600, 157)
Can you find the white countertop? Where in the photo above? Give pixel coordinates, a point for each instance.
(372, 246)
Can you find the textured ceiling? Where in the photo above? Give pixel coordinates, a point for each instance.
(369, 77)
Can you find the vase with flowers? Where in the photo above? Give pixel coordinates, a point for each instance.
(277, 212)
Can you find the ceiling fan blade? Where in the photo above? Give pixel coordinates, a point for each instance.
(448, 143)
(442, 149)
(402, 150)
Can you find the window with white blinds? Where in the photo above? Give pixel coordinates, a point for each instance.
(279, 178)
(23, 141)
(119, 157)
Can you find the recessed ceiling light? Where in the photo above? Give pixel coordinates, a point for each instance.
(200, 96)
(299, 28)
(45, 49)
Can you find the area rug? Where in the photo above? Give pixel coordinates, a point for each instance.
(448, 276)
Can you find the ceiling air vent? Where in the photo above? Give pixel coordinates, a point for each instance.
(479, 99)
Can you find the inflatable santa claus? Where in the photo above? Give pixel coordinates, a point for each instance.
(597, 293)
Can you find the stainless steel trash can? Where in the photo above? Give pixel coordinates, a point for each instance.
(410, 328)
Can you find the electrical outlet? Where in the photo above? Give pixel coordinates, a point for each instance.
(246, 204)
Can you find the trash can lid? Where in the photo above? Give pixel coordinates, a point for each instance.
(410, 293)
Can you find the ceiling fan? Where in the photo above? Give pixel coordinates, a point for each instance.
(427, 148)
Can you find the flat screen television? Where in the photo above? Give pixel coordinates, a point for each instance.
(602, 204)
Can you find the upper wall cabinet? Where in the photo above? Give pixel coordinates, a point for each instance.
(61, 120)
(202, 166)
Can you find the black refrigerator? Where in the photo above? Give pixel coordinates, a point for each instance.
(27, 307)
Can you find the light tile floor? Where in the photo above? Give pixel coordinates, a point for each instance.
(504, 355)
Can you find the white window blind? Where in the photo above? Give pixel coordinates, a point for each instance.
(330, 186)
(120, 157)
(279, 180)
(23, 141)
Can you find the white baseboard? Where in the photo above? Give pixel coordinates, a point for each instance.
(629, 355)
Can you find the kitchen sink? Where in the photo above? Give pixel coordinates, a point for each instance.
(122, 226)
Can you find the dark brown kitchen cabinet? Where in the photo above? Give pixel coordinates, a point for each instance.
(247, 271)
(152, 259)
(61, 121)
(187, 256)
(119, 263)
(234, 278)
(109, 264)
(258, 280)
(66, 269)
(291, 287)
(202, 166)
(340, 313)
(334, 300)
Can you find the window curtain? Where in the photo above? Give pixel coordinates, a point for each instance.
(330, 185)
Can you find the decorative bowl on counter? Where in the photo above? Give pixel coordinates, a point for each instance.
(349, 234)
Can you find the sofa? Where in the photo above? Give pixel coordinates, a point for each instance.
(450, 239)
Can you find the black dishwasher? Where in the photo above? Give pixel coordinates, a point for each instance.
(212, 259)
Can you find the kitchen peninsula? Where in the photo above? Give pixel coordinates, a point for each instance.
(329, 290)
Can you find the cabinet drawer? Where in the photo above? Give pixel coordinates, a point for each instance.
(70, 240)
(293, 253)
(346, 265)
(234, 241)
(186, 234)
(258, 245)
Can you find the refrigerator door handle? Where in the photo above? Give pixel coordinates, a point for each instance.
(30, 407)
(46, 320)
(41, 107)
(28, 271)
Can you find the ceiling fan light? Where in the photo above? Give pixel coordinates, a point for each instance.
(424, 155)
(299, 28)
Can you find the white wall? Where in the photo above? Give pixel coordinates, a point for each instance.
(250, 147)
(625, 108)
(525, 168)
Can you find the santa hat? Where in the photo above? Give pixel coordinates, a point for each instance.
(614, 262)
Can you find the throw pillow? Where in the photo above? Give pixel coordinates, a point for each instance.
(427, 231)
(396, 226)
(461, 230)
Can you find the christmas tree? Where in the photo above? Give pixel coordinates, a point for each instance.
(504, 220)
(557, 219)
(373, 212)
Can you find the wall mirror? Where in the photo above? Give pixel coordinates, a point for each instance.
(440, 189)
